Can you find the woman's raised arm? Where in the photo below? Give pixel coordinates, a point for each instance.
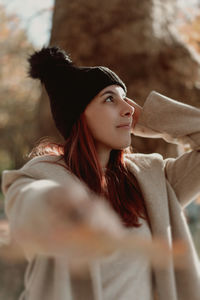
(179, 123)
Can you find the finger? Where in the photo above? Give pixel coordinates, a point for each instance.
(134, 104)
(131, 102)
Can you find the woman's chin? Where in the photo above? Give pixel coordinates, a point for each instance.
(122, 146)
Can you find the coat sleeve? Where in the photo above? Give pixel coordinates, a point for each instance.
(50, 210)
(176, 123)
(27, 209)
(27, 194)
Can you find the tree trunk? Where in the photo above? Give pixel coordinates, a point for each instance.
(139, 41)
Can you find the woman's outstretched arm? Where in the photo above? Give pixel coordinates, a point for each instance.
(47, 217)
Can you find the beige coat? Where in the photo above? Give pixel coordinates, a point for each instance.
(167, 186)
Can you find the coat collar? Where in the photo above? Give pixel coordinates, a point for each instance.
(149, 172)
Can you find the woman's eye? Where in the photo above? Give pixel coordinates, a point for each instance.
(109, 99)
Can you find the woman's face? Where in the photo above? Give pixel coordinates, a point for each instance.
(109, 118)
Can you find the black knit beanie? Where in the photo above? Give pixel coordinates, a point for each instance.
(70, 88)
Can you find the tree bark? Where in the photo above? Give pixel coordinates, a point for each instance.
(136, 39)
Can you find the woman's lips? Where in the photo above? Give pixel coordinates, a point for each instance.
(126, 126)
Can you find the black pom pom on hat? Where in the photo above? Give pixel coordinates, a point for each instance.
(46, 60)
(70, 88)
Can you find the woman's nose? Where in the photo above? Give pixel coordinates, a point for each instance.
(127, 110)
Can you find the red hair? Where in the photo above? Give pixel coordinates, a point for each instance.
(117, 184)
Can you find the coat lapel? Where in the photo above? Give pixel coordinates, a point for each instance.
(148, 170)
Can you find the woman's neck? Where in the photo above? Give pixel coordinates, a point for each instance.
(103, 156)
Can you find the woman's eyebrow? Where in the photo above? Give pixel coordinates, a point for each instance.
(111, 92)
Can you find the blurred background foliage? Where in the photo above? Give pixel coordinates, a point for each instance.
(18, 101)
(189, 28)
(20, 96)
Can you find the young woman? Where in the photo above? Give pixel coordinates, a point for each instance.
(57, 203)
